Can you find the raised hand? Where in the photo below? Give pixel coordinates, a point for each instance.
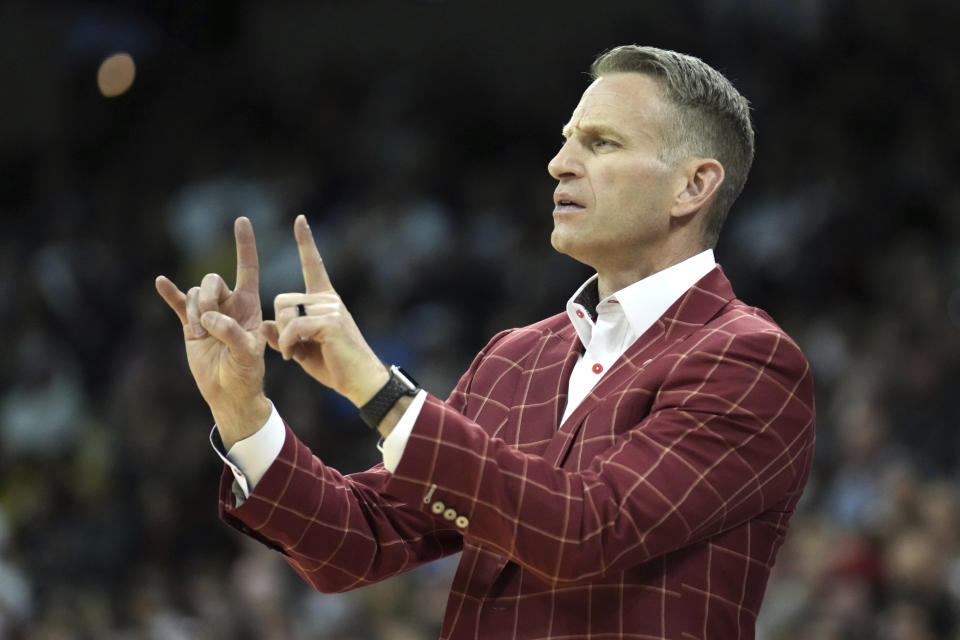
(325, 341)
(221, 330)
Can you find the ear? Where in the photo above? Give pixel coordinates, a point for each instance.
(700, 180)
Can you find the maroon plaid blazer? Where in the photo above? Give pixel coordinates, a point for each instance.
(655, 511)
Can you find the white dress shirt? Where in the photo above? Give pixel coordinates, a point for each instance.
(621, 318)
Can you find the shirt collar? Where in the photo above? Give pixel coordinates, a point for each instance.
(642, 302)
(580, 310)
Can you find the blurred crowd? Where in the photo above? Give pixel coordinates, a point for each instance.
(415, 138)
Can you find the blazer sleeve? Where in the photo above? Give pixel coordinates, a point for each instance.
(729, 436)
(341, 532)
(338, 532)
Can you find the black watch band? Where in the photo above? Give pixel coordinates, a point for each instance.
(399, 385)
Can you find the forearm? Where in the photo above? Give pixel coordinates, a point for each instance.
(339, 532)
(517, 504)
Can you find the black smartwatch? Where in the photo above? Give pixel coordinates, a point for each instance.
(399, 385)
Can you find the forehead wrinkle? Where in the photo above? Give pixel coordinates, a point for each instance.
(624, 113)
(640, 126)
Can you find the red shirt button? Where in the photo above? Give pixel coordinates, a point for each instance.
(579, 313)
(598, 368)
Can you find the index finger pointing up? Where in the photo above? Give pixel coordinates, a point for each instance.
(248, 265)
(315, 276)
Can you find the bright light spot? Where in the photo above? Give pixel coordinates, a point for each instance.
(116, 74)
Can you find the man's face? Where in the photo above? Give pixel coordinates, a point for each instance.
(613, 200)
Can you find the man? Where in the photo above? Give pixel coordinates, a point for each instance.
(626, 469)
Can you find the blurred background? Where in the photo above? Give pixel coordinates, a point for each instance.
(415, 134)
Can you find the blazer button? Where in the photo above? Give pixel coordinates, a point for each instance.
(462, 522)
(437, 507)
(450, 515)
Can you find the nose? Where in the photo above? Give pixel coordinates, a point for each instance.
(565, 164)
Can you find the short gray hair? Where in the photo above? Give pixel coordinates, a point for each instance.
(712, 118)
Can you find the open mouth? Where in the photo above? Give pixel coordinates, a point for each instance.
(564, 204)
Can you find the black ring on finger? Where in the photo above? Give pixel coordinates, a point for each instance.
(301, 310)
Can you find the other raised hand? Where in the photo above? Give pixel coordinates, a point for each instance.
(323, 338)
(225, 347)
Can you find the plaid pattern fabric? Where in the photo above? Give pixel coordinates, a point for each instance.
(655, 511)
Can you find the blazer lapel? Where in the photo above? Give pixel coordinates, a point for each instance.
(562, 346)
(540, 391)
(692, 310)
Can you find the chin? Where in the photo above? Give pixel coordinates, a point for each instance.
(565, 245)
(557, 241)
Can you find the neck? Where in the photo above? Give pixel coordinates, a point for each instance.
(611, 279)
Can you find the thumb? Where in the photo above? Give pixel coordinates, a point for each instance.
(226, 330)
(271, 333)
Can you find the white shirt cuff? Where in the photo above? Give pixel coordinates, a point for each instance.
(250, 458)
(393, 446)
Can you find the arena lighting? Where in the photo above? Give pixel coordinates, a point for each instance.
(116, 74)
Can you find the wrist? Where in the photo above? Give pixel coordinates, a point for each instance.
(238, 421)
(370, 385)
(393, 416)
(399, 385)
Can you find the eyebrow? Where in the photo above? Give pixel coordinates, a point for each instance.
(600, 130)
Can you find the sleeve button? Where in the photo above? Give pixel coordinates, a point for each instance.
(437, 507)
(462, 522)
(450, 515)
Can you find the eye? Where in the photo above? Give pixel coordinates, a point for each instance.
(603, 143)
